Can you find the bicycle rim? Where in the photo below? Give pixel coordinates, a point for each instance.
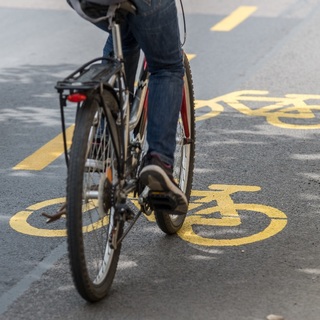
(90, 214)
(184, 154)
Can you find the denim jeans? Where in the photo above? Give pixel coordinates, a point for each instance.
(155, 30)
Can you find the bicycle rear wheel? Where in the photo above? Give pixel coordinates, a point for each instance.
(90, 212)
(184, 153)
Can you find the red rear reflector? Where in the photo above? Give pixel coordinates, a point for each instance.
(76, 97)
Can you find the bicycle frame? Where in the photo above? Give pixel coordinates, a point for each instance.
(128, 130)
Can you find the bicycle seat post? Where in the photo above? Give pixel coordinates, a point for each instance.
(117, 41)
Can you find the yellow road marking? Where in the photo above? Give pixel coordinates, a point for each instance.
(218, 195)
(278, 221)
(278, 111)
(191, 56)
(19, 222)
(291, 111)
(46, 154)
(234, 19)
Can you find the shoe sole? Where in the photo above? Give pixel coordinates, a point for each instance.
(157, 180)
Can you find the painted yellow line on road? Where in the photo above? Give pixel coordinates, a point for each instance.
(234, 19)
(46, 154)
(190, 56)
(211, 209)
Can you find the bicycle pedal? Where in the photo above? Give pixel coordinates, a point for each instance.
(162, 201)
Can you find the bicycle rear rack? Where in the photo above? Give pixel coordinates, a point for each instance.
(90, 75)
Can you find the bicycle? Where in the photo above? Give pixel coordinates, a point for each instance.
(103, 163)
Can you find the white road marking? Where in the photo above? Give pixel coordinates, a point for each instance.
(25, 283)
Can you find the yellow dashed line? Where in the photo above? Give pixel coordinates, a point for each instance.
(234, 19)
(191, 56)
(46, 154)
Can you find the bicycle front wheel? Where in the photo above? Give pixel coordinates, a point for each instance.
(90, 214)
(184, 153)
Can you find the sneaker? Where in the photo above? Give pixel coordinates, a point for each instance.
(157, 175)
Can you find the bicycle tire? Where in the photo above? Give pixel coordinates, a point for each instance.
(90, 213)
(184, 157)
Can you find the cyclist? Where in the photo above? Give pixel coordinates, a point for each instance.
(154, 29)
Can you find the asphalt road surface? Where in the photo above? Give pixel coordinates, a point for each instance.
(250, 248)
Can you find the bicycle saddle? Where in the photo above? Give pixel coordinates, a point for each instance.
(99, 10)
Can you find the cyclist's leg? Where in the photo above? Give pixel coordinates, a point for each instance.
(167, 220)
(155, 27)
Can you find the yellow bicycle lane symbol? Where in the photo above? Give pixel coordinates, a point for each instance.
(291, 111)
(227, 210)
(228, 216)
(19, 222)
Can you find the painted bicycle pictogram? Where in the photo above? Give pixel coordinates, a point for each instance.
(226, 213)
(210, 209)
(293, 111)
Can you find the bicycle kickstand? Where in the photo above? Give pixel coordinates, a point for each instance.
(56, 216)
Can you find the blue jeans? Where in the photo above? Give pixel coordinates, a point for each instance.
(155, 30)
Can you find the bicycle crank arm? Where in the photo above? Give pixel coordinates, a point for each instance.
(129, 227)
(124, 214)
